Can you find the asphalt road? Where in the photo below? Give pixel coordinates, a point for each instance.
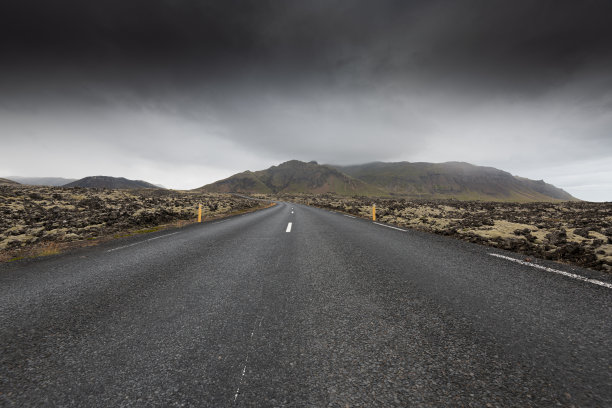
(336, 312)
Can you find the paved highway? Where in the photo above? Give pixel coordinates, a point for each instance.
(297, 306)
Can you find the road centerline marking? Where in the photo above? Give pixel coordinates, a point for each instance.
(547, 269)
(389, 226)
(289, 227)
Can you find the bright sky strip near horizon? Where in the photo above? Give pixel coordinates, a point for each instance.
(184, 92)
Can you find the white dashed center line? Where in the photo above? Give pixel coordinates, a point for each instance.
(288, 227)
(544, 268)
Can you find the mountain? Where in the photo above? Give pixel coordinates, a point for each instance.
(294, 177)
(42, 181)
(458, 180)
(4, 181)
(110, 182)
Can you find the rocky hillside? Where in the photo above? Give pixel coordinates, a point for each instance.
(294, 177)
(458, 180)
(110, 182)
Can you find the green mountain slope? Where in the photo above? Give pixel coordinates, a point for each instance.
(294, 177)
(458, 180)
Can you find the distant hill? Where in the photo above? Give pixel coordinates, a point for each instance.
(110, 182)
(462, 181)
(293, 177)
(4, 181)
(458, 180)
(42, 181)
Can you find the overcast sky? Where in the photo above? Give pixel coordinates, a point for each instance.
(185, 92)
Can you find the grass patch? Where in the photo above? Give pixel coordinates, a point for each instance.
(51, 248)
(148, 230)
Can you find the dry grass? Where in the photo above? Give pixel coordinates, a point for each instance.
(49, 248)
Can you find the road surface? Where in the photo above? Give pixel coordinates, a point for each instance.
(297, 306)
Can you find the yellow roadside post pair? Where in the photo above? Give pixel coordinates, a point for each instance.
(200, 212)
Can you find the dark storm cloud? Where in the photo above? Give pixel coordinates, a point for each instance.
(484, 44)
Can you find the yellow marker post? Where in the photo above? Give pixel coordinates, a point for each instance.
(373, 212)
(200, 213)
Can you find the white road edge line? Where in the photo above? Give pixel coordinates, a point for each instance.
(350, 216)
(289, 227)
(389, 226)
(544, 268)
(141, 242)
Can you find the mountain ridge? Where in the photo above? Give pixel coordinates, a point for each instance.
(424, 180)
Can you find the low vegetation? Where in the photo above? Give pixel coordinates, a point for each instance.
(575, 232)
(37, 221)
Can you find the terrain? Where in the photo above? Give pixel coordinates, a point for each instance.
(579, 233)
(456, 180)
(43, 220)
(110, 182)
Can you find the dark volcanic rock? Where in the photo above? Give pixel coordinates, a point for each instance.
(557, 237)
